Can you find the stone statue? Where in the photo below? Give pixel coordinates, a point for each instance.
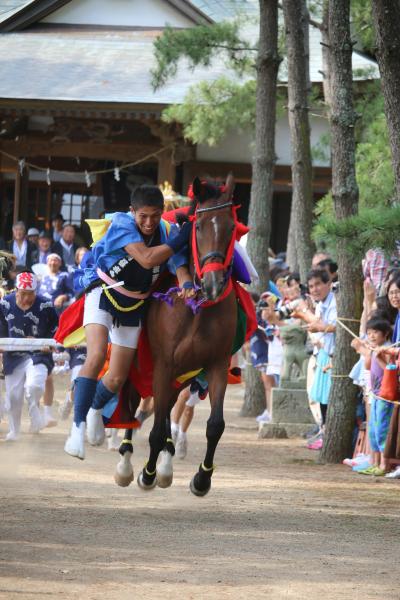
(294, 353)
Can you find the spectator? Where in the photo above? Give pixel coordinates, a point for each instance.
(33, 235)
(380, 412)
(375, 267)
(66, 247)
(45, 242)
(330, 267)
(55, 284)
(25, 252)
(270, 373)
(323, 323)
(316, 259)
(24, 314)
(57, 226)
(79, 254)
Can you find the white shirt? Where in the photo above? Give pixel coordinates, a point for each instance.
(326, 310)
(20, 253)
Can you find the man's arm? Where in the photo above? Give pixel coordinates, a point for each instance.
(156, 255)
(149, 257)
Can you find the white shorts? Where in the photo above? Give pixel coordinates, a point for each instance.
(93, 315)
(75, 372)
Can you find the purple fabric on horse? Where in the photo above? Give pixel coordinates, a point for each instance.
(239, 268)
(168, 297)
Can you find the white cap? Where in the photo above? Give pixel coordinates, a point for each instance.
(33, 231)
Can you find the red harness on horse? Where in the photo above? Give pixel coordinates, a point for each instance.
(201, 266)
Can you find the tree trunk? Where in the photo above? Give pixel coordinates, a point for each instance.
(263, 163)
(296, 22)
(386, 17)
(326, 71)
(342, 402)
(291, 249)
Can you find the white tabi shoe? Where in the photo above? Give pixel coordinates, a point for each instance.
(37, 421)
(65, 409)
(49, 419)
(95, 427)
(75, 444)
(181, 446)
(113, 441)
(11, 436)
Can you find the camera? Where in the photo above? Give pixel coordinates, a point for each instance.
(335, 287)
(285, 312)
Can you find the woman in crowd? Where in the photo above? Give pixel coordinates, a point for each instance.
(55, 285)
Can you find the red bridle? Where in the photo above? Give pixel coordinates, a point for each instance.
(200, 265)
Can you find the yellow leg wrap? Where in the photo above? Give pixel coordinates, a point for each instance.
(149, 472)
(207, 468)
(127, 442)
(170, 440)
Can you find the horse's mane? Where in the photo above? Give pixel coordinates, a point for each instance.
(212, 190)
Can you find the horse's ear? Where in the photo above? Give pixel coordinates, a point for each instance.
(230, 185)
(196, 187)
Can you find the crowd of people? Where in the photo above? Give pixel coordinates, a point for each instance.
(312, 305)
(37, 272)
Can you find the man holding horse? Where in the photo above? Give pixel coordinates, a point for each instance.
(128, 259)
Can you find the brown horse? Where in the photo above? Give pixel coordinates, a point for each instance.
(182, 341)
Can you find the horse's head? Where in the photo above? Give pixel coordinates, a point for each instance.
(213, 235)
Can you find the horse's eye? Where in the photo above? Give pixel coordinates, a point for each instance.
(197, 227)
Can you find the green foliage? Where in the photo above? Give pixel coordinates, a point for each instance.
(371, 228)
(375, 181)
(362, 29)
(199, 45)
(211, 109)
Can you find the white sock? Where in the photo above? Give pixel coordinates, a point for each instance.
(48, 412)
(174, 427)
(182, 434)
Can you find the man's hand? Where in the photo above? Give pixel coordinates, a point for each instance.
(60, 300)
(316, 326)
(187, 290)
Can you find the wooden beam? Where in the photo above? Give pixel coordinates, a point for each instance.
(17, 196)
(7, 165)
(118, 152)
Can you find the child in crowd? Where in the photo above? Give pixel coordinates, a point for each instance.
(378, 333)
(266, 351)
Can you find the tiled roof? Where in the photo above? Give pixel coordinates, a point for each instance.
(89, 66)
(10, 7)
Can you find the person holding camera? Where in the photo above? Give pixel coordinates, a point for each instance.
(322, 323)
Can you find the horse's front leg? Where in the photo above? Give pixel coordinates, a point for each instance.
(217, 381)
(124, 471)
(164, 470)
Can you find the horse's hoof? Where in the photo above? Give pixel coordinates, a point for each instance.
(143, 485)
(165, 473)
(197, 492)
(123, 480)
(164, 481)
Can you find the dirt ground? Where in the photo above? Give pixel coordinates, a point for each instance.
(274, 525)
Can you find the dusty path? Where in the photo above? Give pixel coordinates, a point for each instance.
(275, 525)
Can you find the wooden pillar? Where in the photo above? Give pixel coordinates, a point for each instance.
(166, 167)
(17, 196)
(21, 189)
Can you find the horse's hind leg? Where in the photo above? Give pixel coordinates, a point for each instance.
(217, 380)
(124, 471)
